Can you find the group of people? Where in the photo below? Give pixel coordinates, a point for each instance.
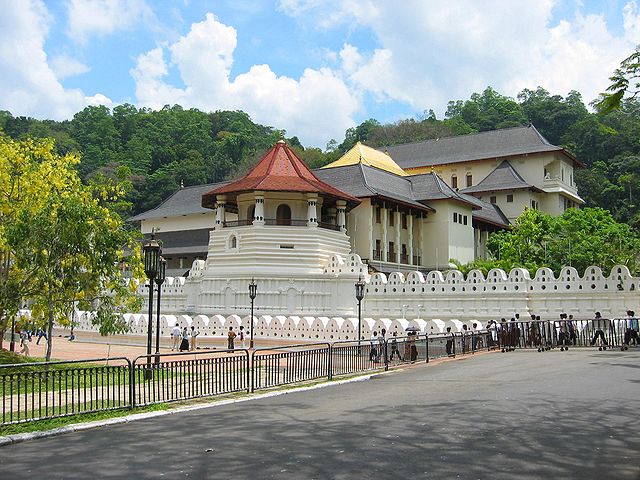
(377, 346)
(186, 340)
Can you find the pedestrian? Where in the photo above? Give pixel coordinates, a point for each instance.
(192, 338)
(598, 325)
(381, 345)
(373, 352)
(631, 330)
(231, 337)
(41, 333)
(176, 337)
(184, 340)
(449, 345)
(571, 326)
(394, 348)
(24, 342)
(241, 337)
(465, 339)
(413, 349)
(492, 326)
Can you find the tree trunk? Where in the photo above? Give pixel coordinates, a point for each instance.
(49, 330)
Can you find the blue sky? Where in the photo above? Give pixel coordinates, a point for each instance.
(314, 68)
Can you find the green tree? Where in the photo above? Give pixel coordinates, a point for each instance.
(625, 81)
(71, 243)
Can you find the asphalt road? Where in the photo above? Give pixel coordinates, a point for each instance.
(522, 415)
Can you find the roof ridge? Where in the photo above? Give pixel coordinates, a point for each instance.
(460, 136)
(364, 178)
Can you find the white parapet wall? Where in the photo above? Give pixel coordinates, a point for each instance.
(429, 303)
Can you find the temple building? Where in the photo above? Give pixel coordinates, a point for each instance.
(402, 208)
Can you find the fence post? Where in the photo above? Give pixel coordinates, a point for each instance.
(132, 382)
(329, 360)
(253, 371)
(386, 357)
(248, 372)
(453, 341)
(426, 341)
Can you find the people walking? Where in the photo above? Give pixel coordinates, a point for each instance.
(631, 330)
(394, 348)
(176, 337)
(241, 337)
(373, 352)
(193, 338)
(598, 324)
(381, 344)
(449, 345)
(184, 341)
(41, 333)
(24, 342)
(231, 337)
(571, 326)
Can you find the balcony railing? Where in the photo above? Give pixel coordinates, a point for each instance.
(329, 226)
(404, 258)
(238, 223)
(377, 255)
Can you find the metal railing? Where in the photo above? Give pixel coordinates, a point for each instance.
(272, 367)
(182, 376)
(38, 391)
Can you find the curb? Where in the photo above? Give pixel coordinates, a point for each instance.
(79, 427)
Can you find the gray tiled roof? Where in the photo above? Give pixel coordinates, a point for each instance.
(487, 212)
(365, 181)
(464, 148)
(183, 202)
(503, 177)
(430, 186)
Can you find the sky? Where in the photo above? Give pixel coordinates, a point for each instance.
(313, 68)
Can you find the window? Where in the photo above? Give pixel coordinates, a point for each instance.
(454, 181)
(392, 252)
(492, 199)
(510, 198)
(378, 246)
(469, 180)
(378, 215)
(534, 204)
(455, 217)
(464, 219)
(283, 215)
(233, 242)
(404, 221)
(251, 213)
(391, 215)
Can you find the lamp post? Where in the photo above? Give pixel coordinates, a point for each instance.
(12, 343)
(359, 296)
(253, 290)
(151, 251)
(162, 269)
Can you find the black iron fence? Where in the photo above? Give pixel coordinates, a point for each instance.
(36, 391)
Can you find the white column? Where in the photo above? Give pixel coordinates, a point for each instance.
(258, 214)
(220, 210)
(398, 227)
(342, 220)
(410, 237)
(312, 210)
(385, 222)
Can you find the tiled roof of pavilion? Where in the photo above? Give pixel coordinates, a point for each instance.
(503, 177)
(279, 170)
(361, 153)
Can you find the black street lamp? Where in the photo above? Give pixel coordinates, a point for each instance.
(162, 269)
(253, 290)
(359, 297)
(12, 343)
(151, 251)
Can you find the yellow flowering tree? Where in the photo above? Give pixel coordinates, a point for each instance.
(66, 244)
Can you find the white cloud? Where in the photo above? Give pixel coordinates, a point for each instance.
(315, 107)
(102, 17)
(28, 84)
(430, 52)
(64, 66)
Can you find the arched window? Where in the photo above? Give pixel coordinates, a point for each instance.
(233, 242)
(283, 214)
(251, 211)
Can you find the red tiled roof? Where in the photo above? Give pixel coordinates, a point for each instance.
(279, 170)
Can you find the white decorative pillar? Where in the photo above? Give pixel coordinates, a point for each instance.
(410, 237)
(258, 213)
(398, 226)
(342, 218)
(220, 211)
(312, 210)
(385, 222)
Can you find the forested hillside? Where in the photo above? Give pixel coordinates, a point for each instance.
(162, 149)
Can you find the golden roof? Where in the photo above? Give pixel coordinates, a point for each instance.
(368, 156)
